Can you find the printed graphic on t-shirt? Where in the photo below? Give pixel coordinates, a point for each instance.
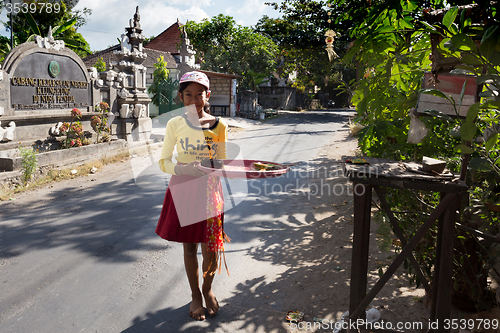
(201, 149)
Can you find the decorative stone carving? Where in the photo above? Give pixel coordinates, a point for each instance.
(121, 80)
(139, 110)
(54, 130)
(49, 42)
(93, 73)
(137, 18)
(110, 76)
(7, 134)
(187, 53)
(124, 110)
(126, 79)
(123, 93)
(125, 45)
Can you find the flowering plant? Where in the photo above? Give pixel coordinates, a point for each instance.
(100, 122)
(73, 131)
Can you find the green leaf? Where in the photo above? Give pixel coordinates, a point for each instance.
(480, 164)
(487, 93)
(437, 114)
(487, 78)
(464, 149)
(490, 48)
(431, 27)
(472, 112)
(65, 26)
(434, 92)
(450, 17)
(491, 105)
(463, 21)
(470, 59)
(468, 131)
(462, 94)
(489, 33)
(463, 43)
(32, 23)
(492, 141)
(384, 28)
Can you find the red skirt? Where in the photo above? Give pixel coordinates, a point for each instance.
(193, 211)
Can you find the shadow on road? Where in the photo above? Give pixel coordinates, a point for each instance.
(105, 222)
(309, 231)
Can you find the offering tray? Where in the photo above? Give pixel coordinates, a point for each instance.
(246, 169)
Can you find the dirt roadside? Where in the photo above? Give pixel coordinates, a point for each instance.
(322, 270)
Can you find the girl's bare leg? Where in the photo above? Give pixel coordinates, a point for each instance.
(196, 309)
(209, 266)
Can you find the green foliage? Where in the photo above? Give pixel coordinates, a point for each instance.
(148, 39)
(224, 46)
(160, 74)
(100, 65)
(29, 163)
(299, 33)
(64, 25)
(255, 79)
(391, 51)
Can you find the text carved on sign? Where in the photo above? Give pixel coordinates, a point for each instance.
(48, 93)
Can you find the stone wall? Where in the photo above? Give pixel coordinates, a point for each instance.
(282, 98)
(220, 86)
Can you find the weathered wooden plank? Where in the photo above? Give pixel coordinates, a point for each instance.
(361, 245)
(448, 198)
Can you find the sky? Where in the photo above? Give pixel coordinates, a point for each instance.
(110, 17)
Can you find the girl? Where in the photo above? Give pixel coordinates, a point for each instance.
(192, 211)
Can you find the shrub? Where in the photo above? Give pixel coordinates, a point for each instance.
(29, 163)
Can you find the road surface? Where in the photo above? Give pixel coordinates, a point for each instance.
(82, 255)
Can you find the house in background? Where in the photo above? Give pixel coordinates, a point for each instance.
(223, 93)
(174, 45)
(108, 56)
(175, 41)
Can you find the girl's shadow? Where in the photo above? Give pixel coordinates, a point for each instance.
(170, 320)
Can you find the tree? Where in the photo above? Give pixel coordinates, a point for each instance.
(64, 24)
(224, 46)
(100, 65)
(160, 74)
(392, 48)
(300, 34)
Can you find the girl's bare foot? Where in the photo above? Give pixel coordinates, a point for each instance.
(211, 302)
(196, 310)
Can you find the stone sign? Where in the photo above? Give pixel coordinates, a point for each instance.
(48, 81)
(40, 83)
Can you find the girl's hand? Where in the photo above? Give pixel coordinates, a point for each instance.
(189, 169)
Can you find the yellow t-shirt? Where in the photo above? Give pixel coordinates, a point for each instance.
(192, 143)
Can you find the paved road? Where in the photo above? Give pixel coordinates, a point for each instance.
(82, 255)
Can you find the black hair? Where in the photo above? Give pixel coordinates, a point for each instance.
(183, 87)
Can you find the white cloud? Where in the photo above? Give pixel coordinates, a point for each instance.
(110, 17)
(249, 12)
(155, 19)
(185, 3)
